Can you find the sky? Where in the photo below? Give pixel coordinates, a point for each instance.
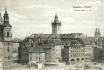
(35, 16)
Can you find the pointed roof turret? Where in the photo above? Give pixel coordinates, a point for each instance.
(5, 9)
(6, 18)
(56, 19)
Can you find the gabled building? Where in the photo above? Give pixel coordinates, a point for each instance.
(37, 54)
(73, 51)
(53, 49)
(89, 54)
(31, 52)
(23, 51)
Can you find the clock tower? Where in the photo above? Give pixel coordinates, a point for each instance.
(56, 26)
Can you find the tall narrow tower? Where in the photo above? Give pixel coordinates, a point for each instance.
(56, 26)
(99, 35)
(7, 40)
(96, 32)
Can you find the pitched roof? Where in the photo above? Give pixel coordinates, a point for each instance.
(72, 41)
(73, 35)
(86, 41)
(52, 41)
(6, 24)
(28, 46)
(16, 40)
(37, 49)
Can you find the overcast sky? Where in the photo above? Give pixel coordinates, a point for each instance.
(35, 16)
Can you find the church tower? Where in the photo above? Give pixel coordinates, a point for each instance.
(7, 40)
(56, 26)
(97, 33)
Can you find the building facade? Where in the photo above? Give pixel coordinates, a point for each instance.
(73, 52)
(53, 49)
(31, 52)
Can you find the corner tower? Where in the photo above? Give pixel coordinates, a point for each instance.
(99, 35)
(56, 26)
(95, 32)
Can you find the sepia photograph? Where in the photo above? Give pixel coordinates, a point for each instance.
(51, 34)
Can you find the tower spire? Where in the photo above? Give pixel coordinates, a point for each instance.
(6, 18)
(96, 32)
(5, 9)
(56, 19)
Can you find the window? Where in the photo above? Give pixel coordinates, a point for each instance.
(7, 33)
(31, 58)
(8, 57)
(8, 49)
